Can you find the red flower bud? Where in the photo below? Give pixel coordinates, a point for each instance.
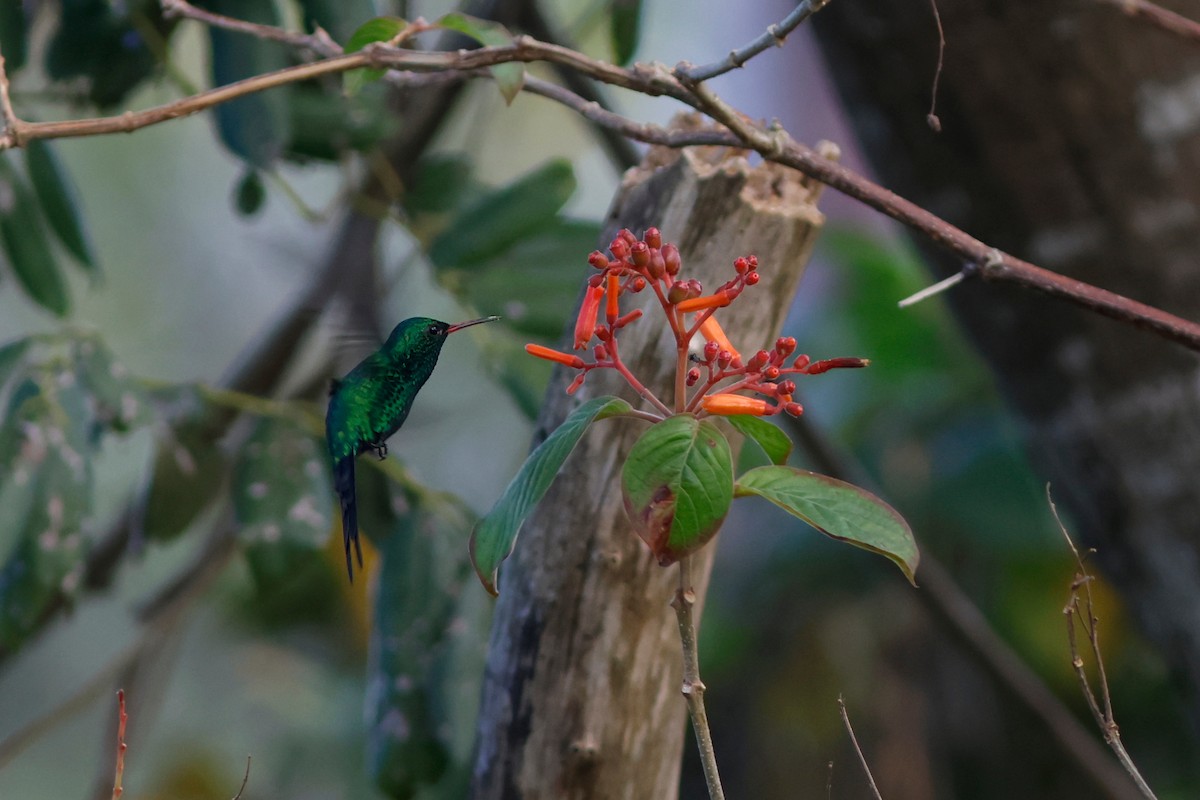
(612, 308)
(639, 254)
(784, 345)
(787, 387)
(753, 261)
(736, 363)
(598, 259)
(568, 359)
(818, 367)
(695, 288)
(724, 359)
(602, 333)
(619, 248)
(677, 293)
(726, 404)
(632, 316)
(637, 285)
(718, 300)
(751, 278)
(657, 267)
(575, 384)
(801, 362)
(771, 373)
(693, 376)
(795, 409)
(710, 351)
(671, 259)
(759, 359)
(628, 236)
(600, 352)
(585, 323)
(740, 265)
(653, 238)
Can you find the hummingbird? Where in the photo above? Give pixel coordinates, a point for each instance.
(372, 402)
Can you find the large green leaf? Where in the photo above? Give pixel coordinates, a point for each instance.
(500, 219)
(774, 442)
(495, 536)
(189, 468)
(380, 29)
(59, 200)
(509, 77)
(254, 127)
(416, 619)
(677, 484)
(282, 500)
(26, 245)
(625, 22)
(837, 509)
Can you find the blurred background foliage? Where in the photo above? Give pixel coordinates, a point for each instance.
(166, 522)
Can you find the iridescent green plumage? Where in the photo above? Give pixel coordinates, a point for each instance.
(372, 402)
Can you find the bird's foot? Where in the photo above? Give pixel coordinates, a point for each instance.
(379, 449)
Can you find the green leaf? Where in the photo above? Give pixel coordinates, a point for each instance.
(509, 77)
(495, 536)
(503, 217)
(416, 620)
(26, 244)
(118, 401)
(14, 31)
(625, 22)
(677, 484)
(189, 468)
(59, 200)
(774, 442)
(253, 127)
(837, 509)
(282, 499)
(11, 355)
(439, 186)
(250, 193)
(380, 29)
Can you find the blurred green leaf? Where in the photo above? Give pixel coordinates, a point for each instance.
(774, 442)
(59, 200)
(677, 484)
(282, 499)
(117, 400)
(423, 569)
(509, 77)
(250, 193)
(188, 469)
(11, 355)
(105, 42)
(380, 29)
(339, 18)
(52, 468)
(26, 244)
(837, 509)
(625, 22)
(439, 186)
(495, 536)
(14, 31)
(254, 127)
(325, 124)
(503, 217)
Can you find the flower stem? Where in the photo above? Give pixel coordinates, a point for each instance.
(693, 687)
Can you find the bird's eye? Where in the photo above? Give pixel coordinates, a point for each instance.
(433, 330)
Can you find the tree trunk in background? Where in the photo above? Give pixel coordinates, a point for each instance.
(1071, 136)
(581, 693)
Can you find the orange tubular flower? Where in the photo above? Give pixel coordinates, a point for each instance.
(553, 355)
(585, 323)
(711, 330)
(726, 404)
(718, 300)
(613, 309)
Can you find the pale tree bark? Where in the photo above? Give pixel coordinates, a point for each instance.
(581, 694)
(1071, 135)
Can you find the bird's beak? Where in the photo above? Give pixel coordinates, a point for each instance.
(461, 325)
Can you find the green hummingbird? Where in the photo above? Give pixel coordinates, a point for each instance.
(372, 402)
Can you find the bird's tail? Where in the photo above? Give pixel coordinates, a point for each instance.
(343, 484)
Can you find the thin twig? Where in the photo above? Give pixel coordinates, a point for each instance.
(1101, 708)
(245, 780)
(1158, 16)
(930, 291)
(854, 741)
(693, 687)
(932, 118)
(122, 718)
(318, 42)
(774, 36)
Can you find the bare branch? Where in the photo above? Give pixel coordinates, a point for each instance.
(1101, 708)
(1159, 17)
(774, 36)
(854, 741)
(693, 687)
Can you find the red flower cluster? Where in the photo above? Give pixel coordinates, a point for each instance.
(639, 263)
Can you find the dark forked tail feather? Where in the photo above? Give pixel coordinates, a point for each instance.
(343, 484)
